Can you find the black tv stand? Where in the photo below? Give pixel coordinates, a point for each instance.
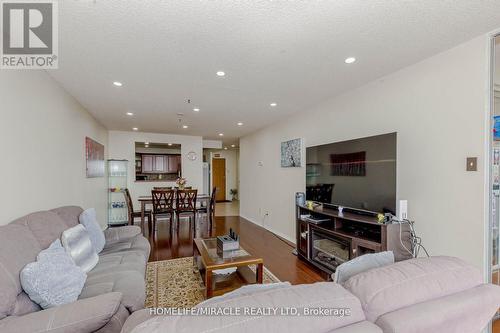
(341, 237)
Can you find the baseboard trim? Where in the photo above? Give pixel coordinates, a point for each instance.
(279, 234)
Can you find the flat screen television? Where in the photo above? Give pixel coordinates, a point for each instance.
(358, 173)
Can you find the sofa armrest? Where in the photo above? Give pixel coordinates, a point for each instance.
(83, 316)
(120, 234)
(466, 311)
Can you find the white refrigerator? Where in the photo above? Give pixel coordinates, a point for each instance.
(206, 178)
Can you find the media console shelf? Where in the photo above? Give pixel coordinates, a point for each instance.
(344, 236)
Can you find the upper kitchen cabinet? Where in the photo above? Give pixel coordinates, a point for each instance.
(157, 162)
(174, 163)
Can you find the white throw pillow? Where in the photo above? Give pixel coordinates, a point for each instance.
(89, 220)
(54, 279)
(77, 243)
(361, 264)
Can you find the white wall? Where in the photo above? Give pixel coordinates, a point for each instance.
(232, 178)
(122, 146)
(43, 147)
(438, 108)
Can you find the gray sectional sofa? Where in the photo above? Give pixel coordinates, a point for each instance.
(425, 295)
(114, 289)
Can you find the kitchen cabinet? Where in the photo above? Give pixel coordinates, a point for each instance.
(147, 163)
(160, 163)
(174, 163)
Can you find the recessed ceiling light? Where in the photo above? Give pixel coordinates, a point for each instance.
(196, 110)
(185, 126)
(350, 60)
(221, 134)
(233, 146)
(130, 114)
(273, 104)
(225, 148)
(146, 143)
(118, 84)
(240, 124)
(169, 144)
(220, 73)
(135, 129)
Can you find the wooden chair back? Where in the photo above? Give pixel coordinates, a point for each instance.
(186, 200)
(212, 200)
(163, 201)
(128, 200)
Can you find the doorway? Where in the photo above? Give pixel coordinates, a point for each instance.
(219, 178)
(494, 225)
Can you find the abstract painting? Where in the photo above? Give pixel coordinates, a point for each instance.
(291, 154)
(94, 156)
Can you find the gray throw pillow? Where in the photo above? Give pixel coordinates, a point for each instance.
(361, 264)
(89, 220)
(77, 243)
(54, 279)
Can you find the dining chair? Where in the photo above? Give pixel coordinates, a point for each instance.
(186, 204)
(209, 210)
(132, 215)
(163, 206)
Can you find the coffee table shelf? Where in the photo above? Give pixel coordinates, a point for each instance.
(206, 260)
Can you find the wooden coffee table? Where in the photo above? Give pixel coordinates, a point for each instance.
(206, 260)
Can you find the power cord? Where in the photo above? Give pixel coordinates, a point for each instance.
(415, 241)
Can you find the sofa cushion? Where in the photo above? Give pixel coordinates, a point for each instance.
(121, 234)
(89, 315)
(45, 226)
(324, 295)
(115, 324)
(69, 214)
(24, 305)
(77, 243)
(385, 289)
(465, 311)
(136, 244)
(361, 264)
(116, 262)
(129, 283)
(136, 319)
(88, 219)
(361, 327)
(250, 289)
(54, 279)
(19, 248)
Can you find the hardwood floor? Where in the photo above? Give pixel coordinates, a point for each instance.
(277, 253)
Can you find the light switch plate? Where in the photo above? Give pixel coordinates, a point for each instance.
(471, 164)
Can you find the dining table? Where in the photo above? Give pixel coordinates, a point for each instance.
(145, 200)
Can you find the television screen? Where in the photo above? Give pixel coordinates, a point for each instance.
(358, 173)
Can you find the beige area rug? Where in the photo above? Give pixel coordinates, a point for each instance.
(174, 283)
